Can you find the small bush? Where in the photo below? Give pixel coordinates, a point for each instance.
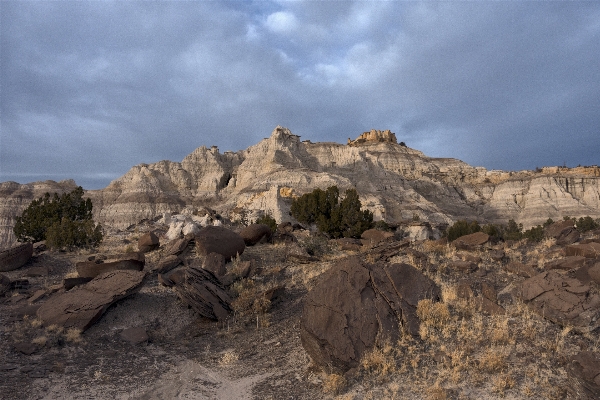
(462, 228)
(382, 226)
(269, 221)
(64, 221)
(337, 219)
(585, 224)
(513, 231)
(535, 234)
(316, 245)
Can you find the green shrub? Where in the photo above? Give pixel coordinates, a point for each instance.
(585, 224)
(535, 234)
(513, 231)
(64, 221)
(462, 228)
(331, 216)
(381, 225)
(548, 222)
(493, 230)
(269, 221)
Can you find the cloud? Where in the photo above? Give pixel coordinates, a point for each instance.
(94, 88)
(281, 22)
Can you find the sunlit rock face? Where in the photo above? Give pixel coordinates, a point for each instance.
(394, 181)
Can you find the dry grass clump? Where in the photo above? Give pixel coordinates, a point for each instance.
(229, 357)
(379, 361)
(334, 384)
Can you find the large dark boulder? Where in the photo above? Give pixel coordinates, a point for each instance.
(356, 306)
(15, 257)
(255, 233)
(82, 306)
(584, 375)
(204, 293)
(126, 261)
(217, 239)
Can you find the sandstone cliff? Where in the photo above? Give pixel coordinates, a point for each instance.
(394, 181)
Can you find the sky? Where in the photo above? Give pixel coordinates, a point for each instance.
(89, 89)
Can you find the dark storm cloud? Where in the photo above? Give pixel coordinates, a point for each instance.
(91, 88)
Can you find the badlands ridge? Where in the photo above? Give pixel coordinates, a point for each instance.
(394, 181)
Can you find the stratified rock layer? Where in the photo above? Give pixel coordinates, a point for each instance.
(395, 182)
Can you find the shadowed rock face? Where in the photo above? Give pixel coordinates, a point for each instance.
(394, 182)
(15, 257)
(356, 306)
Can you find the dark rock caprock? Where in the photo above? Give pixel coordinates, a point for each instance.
(15, 257)
(203, 292)
(82, 306)
(356, 306)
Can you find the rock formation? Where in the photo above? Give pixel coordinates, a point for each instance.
(395, 182)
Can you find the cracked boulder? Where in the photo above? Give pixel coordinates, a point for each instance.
(563, 300)
(82, 306)
(204, 293)
(356, 306)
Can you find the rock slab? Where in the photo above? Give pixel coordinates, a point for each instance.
(356, 306)
(127, 261)
(82, 306)
(15, 257)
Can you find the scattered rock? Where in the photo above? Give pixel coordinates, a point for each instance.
(463, 266)
(521, 269)
(39, 247)
(472, 241)
(148, 242)
(134, 335)
(283, 238)
(81, 307)
(126, 261)
(255, 233)
(470, 258)
(497, 255)
(355, 306)
(299, 254)
(203, 292)
(217, 239)
(588, 250)
(488, 306)
(285, 227)
(563, 300)
(349, 244)
(372, 237)
(15, 257)
(567, 263)
(584, 373)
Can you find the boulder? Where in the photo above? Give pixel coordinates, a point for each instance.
(588, 250)
(174, 231)
(191, 228)
(15, 257)
(215, 263)
(563, 300)
(82, 306)
(559, 228)
(173, 277)
(285, 227)
(4, 285)
(350, 244)
(497, 255)
(135, 335)
(463, 266)
(203, 292)
(148, 242)
(566, 263)
(584, 374)
(372, 237)
(217, 239)
(255, 233)
(521, 269)
(167, 263)
(568, 237)
(356, 306)
(126, 261)
(472, 241)
(176, 247)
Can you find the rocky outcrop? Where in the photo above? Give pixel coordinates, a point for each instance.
(395, 182)
(127, 261)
